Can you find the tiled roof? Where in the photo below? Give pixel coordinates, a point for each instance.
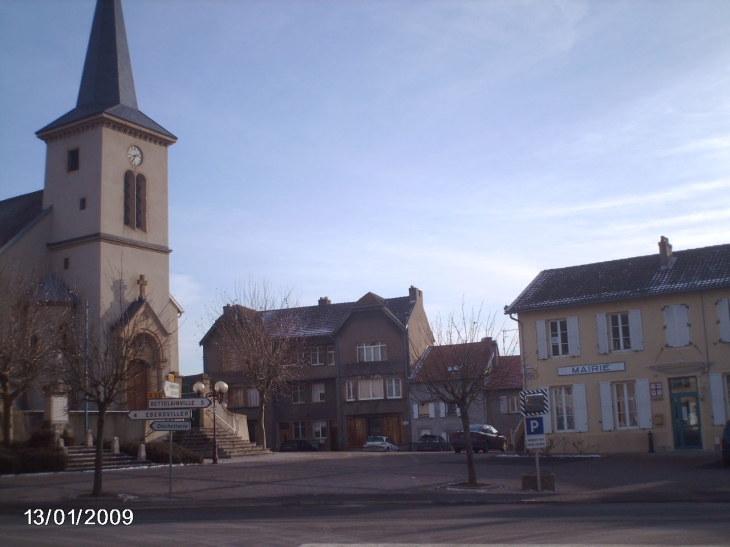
(16, 213)
(440, 361)
(691, 270)
(507, 374)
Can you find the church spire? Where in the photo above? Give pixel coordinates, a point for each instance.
(107, 84)
(107, 79)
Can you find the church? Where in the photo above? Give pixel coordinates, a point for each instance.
(101, 220)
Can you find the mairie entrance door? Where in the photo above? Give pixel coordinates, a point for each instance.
(686, 413)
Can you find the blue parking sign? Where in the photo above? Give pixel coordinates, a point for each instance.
(534, 426)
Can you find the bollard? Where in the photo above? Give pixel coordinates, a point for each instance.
(651, 443)
(115, 445)
(141, 453)
(89, 438)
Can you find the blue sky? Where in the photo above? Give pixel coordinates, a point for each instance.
(346, 147)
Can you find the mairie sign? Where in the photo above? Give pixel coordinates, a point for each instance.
(193, 402)
(160, 414)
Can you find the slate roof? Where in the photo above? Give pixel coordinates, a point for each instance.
(107, 83)
(17, 213)
(322, 320)
(691, 270)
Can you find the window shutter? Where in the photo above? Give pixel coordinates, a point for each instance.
(580, 409)
(635, 332)
(723, 314)
(675, 318)
(442, 410)
(458, 411)
(604, 391)
(643, 403)
(431, 410)
(547, 419)
(602, 333)
(542, 352)
(573, 336)
(503, 404)
(415, 411)
(718, 403)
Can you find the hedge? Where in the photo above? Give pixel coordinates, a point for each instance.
(158, 452)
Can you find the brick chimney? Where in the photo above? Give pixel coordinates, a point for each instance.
(665, 254)
(325, 301)
(414, 294)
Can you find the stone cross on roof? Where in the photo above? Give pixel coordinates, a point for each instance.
(142, 282)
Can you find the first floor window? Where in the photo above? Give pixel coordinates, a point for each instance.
(452, 409)
(297, 393)
(319, 429)
(300, 430)
(563, 408)
(370, 389)
(350, 390)
(330, 355)
(234, 397)
(317, 355)
(624, 395)
(393, 388)
(317, 393)
(620, 333)
(253, 397)
(371, 351)
(423, 410)
(559, 337)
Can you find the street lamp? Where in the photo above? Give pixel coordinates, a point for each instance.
(216, 394)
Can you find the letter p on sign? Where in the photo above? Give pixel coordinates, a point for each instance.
(535, 426)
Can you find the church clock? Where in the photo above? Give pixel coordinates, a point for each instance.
(135, 155)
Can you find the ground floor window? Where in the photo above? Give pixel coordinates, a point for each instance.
(562, 398)
(300, 430)
(624, 395)
(319, 429)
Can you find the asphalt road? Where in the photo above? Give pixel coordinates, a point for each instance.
(557, 524)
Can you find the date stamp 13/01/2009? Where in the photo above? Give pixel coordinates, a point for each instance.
(79, 517)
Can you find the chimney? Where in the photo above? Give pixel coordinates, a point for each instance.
(325, 301)
(414, 294)
(665, 254)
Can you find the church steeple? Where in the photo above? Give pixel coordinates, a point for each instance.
(107, 84)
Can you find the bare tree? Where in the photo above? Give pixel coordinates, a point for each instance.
(257, 334)
(101, 365)
(457, 368)
(33, 311)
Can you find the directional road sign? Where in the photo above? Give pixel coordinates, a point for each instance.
(193, 402)
(170, 426)
(160, 414)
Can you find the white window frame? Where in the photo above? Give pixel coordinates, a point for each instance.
(619, 331)
(330, 355)
(318, 393)
(319, 429)
(625, 405)
(298, 394)
(545, 348)
(424, 410)
(513, 403)
(562, 399)
(368, 352)
(317, 355)
(558, 342)
(350, 390)
(393, 388)
(299, 429)
(368, 388)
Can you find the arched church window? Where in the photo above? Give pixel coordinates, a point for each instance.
(135, 201)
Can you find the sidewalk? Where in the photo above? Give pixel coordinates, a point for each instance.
(405, 477)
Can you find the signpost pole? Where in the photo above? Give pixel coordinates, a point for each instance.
(537, 469)
(171, 466)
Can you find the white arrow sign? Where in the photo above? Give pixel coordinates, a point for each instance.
(195, 402)
(160, 414)
(170, 426)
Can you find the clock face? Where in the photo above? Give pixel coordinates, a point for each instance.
(135, 155)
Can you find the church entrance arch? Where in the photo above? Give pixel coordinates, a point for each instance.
(142, 372)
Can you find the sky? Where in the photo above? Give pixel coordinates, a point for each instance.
(341, 147)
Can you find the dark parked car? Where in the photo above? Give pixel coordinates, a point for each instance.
(726, 444)
(298, 445)
(432, 443)
(483, 437)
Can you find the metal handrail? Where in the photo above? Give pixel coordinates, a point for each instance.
(215, 415)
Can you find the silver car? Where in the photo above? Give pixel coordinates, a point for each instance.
(380, 444)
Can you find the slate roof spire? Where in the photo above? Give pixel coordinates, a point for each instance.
(107, 84)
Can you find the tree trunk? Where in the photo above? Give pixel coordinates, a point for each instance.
(470, 471)
(7, 420)
(98, 458)
(261, 424)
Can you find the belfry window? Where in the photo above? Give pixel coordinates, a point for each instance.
(135, 201)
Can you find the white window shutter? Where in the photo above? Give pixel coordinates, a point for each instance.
(716, 396)
(723, 314)
(547, 419)
(635, 332)
(503, 404)
(431, 410)
(602, 333)
(542, 348)
(580, 409)
(458, 411)
(643, 403)
(604, 391)
(442, 410)
(677, 324)
(573, 336)
(415, 411)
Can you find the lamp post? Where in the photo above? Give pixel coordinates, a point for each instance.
(216, 394)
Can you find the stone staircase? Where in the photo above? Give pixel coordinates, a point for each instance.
(81, 458)
(200, 441)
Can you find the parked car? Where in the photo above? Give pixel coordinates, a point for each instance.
(297, 445)
(483, 437)
(380, 444)
(432, 443)
(726, 444)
